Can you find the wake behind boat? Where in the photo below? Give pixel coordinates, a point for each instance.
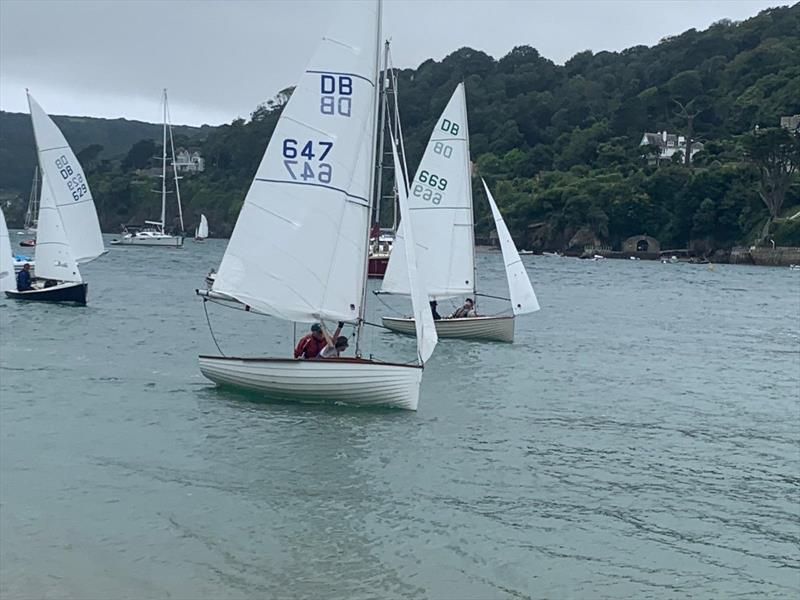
(327, 132)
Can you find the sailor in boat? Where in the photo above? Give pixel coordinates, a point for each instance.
(468, 310)
(24, 278)
(312, 344)
(434, 312)
(335, 344)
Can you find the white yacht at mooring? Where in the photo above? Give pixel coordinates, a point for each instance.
(315, 182)
(154, 233)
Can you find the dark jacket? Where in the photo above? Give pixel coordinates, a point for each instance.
(23, 281)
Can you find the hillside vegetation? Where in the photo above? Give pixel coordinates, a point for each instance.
(560, 144)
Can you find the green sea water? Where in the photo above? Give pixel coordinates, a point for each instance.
(641, 438)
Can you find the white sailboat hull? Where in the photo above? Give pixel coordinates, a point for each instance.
(169, 241)
(349, 381)
(498, 329)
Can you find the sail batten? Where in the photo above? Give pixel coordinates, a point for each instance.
(440, 212)
(523, 298)
(299, 246)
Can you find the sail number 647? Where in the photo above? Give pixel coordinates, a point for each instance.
(294, 152)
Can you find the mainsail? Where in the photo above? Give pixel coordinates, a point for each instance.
(299, 248)
(54, 259)
(68, 187)
(523, 298)
(6, 258)
(440, 203)
(202, 229)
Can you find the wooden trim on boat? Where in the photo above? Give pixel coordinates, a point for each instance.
(350, 360)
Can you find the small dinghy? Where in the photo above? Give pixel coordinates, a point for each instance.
(201, 232)
(28, 243)
(315, 182)
(442, 222)
(68, 228)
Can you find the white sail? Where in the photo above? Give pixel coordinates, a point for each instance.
(440, 202)
(523, 298)
(6, 257)
(69, 188)
(423, 317)
(54, 258)
(202, 230)
(299, 248)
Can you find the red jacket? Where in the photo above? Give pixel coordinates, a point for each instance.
(309, 347)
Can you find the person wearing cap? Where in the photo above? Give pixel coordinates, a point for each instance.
(312, 344)
(335, 344)
(24, 278)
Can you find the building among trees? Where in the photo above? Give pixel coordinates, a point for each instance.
(668, 144)
(186, 162)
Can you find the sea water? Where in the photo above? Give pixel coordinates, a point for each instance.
(640, 438)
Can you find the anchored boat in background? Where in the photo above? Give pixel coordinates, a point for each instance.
(314, 183)
(442, 222)
(68, 228)
(154, 233)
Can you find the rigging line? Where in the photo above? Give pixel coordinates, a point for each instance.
(211, 329)
(391, 308)
(490, 296)
(376, 325)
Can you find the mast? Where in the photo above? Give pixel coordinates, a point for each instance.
(174, 168)
(471, 205)
(362, 308)
(382, 130)
(164, 166)
(30, 219)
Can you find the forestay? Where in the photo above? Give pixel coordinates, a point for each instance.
(68, 186)
(423, 318)
(7, 281)
(54, 259)
(299, 248)
(523, 298)
(440, 203)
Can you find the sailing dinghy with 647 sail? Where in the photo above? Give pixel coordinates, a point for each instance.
(314, 183)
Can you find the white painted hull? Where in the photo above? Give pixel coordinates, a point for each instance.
(498, 329)
(348, 381)
(167, 241)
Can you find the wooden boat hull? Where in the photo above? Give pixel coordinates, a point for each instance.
(63, 292)
(353, 382)
(166, 242)
(497, 329)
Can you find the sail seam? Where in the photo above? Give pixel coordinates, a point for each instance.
(53, 148)
(321, 185)
(356, 75)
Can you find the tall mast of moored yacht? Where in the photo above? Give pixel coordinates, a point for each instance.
(363, 306)
(174, 168)
(164, 166)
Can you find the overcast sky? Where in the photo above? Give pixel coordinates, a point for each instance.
(219, 59)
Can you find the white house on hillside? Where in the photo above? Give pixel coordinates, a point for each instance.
(189, 162)
(668, 144)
